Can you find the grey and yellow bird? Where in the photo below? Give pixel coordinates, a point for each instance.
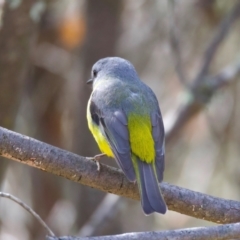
(124, 117)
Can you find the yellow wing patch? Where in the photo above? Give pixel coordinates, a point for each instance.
(141, 140)
(96, 132)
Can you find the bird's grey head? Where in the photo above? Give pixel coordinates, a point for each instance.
(113, 68)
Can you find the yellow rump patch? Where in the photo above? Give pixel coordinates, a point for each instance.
(141, 140)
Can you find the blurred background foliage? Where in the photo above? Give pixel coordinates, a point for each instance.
(47, 49)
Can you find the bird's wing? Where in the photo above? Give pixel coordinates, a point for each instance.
(158, 136)
(113, 126)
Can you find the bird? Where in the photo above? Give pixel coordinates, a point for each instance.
(124, 117)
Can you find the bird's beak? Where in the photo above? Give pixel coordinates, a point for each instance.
(90, 81)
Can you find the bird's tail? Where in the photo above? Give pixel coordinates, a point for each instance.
(151, 196)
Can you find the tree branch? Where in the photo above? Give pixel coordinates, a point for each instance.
(223, 232)
(79, 169)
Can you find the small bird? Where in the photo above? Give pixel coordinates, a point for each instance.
(124, 117)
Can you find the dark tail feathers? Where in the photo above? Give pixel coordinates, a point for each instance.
(151, 196)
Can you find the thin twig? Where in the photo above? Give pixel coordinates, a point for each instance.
(223, 232)
(30, 210)
(76, 168)
(174, 42)
(221, 33)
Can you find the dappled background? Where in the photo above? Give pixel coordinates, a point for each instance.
(47, 49)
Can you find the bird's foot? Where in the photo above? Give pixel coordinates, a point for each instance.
(97, 158)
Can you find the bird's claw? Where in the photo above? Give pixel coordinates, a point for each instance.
(97, 158)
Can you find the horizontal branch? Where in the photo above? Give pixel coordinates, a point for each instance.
(223, 232)
(79, 169)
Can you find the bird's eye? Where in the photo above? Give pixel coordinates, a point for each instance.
(94, 73)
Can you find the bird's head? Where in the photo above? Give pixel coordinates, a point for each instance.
(114, 68)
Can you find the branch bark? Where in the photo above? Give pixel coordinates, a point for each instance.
(79, 169)
(223, 232)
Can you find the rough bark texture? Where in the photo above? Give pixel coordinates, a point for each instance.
(79, 169)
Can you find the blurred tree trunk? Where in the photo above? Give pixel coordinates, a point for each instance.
(103, 25)
(16, 35)
(44, 90)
